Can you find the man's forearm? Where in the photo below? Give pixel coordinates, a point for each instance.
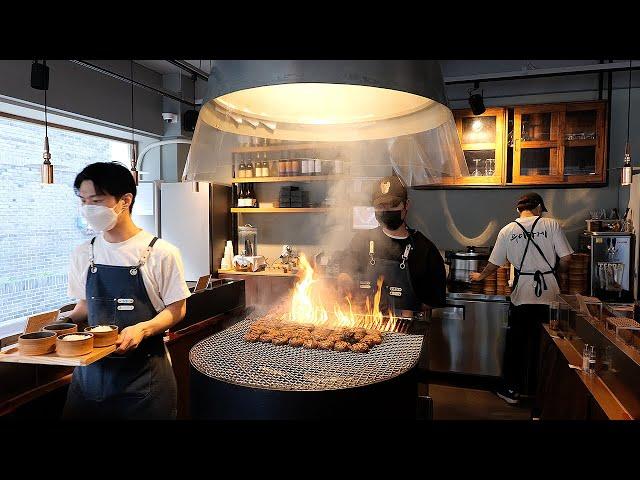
(78, 314)
(488, 270)
(166, 319)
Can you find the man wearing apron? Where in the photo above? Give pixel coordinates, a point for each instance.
(531, 244)
(412, 269)
(123, 276)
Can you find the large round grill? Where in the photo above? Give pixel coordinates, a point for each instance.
(225, 356)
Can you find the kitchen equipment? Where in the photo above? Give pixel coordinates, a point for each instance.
(612, 266)
(37, 343)
(197, 223)
(234, 379)
(462, 263)
(103, 338)
(248, 240)
(468, 335)
(61, 328)
(74, 348)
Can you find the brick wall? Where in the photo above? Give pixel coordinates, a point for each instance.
(40, 225)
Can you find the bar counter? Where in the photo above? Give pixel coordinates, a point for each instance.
(565, 391)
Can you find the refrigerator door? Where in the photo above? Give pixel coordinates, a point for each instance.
(469, 337)
(184, 222)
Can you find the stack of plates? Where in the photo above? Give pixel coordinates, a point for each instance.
(578, 273)
(489, 285)
(502, 277)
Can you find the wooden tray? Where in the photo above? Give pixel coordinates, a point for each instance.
(11, 354)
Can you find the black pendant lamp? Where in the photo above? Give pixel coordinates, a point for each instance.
(134, 156)
(40, 81)
(626, 176)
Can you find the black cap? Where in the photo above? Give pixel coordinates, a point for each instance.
(529, 201)
(389, 190)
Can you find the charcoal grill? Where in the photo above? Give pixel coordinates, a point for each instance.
(235, 379)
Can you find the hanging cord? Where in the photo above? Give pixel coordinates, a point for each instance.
(131, 76)
(629, 104)
(46, 132)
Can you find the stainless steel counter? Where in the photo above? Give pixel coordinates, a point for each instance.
(468, 335)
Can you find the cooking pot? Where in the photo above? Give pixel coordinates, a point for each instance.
(463, 262)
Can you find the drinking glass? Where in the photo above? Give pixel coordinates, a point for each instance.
(489, 167)
(554, 315)
(476, 172)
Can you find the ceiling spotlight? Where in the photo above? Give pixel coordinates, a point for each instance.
(476, 101)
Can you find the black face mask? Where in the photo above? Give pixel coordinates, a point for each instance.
(392, 219)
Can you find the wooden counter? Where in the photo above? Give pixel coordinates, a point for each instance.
(570, 393)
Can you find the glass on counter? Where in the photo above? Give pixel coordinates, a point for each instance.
(554, 315)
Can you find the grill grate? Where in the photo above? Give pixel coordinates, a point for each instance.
(227, 357)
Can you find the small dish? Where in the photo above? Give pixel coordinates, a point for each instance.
(74, 344)
(37, 343)
(61, 328)
(105, 338)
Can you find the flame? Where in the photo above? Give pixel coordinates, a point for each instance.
(308, 306)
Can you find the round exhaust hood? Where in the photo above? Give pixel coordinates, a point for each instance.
(396, 104)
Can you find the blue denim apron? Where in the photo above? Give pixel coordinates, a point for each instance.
(139, 384)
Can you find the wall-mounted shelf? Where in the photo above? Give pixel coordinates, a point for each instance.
(284, 147)
(280, 210)
(299, 178)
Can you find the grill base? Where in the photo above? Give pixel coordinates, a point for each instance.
(395, 398)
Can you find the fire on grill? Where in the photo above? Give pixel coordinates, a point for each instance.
(304, 321)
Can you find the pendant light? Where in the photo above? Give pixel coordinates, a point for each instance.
(40, 81)
(626, 176)
(134, 158)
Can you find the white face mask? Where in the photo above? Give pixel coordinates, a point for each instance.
(100, 218)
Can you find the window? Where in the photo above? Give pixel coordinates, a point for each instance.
(40, 225)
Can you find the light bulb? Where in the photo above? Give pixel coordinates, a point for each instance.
(477, 125)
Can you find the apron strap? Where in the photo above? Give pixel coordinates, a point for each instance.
(92, 264)
(538, 276)
(146, 253)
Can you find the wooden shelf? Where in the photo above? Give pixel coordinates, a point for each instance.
(285, 147)
(299, 178)
(263, 273)
(580, 143)
(478, 146)
(280, 210)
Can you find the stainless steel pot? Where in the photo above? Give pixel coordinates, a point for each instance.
(462, 263)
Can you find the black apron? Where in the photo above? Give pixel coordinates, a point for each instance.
(139, 384)
(398, 293)
(538, 276)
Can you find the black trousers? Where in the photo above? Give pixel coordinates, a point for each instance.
(522, 346)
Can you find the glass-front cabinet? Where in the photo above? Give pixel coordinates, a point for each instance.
(559, 143)
(483, 140)
(546, 144)
(585, 142)
(537, 144)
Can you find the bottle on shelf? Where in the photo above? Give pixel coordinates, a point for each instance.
(317, 167)
(252, 201)
(282, 165)
(273, 172)
(265, 165)
(289, 164)
(304, 167)
(249, 169)
(296, 167)
(240, 198)
(242, 169)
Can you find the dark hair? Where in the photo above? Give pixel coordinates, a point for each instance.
(527, 206)
(109, 178)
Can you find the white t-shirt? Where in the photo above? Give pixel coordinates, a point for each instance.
(510, 247)
(163, 273)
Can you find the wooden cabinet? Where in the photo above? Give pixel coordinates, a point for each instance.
(483, 138)
(559, 143)
(546, 144)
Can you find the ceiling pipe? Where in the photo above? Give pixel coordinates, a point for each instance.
(120, 77)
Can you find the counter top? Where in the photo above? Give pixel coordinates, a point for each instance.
(263, 273)
(615, 408)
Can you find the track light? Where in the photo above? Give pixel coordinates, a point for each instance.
(476, 101)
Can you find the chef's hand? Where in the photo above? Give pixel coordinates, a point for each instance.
(475, 276)
(129, 338)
